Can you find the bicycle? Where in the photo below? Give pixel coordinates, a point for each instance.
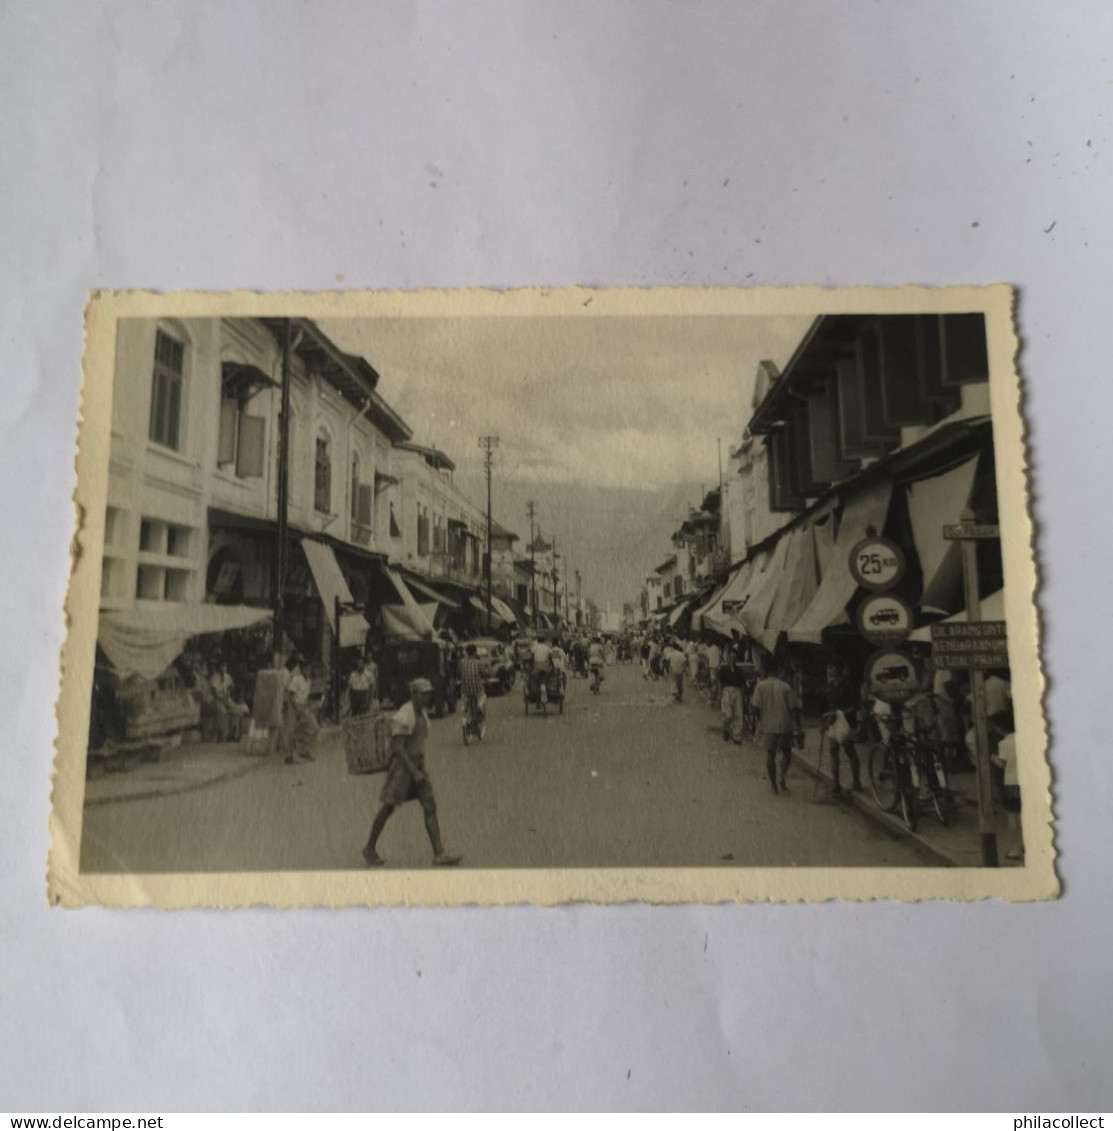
(475, 720)
(893, 778)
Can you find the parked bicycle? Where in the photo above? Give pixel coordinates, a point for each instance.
(908, 772)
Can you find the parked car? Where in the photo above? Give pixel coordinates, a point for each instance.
(401, 661)
(500, 664)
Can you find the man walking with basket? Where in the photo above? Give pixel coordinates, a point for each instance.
(407, 779)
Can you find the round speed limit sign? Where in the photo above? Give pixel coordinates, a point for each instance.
(877, 564)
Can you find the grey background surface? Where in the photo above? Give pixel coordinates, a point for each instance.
(283, 145)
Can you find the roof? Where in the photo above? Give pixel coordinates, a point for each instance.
(354, 378)
(434, 457)
(500, 531)
(668, 563)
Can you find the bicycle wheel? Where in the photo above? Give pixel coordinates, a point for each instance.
(937, 782)
(884, 777)
(909, 798)
(467, 733)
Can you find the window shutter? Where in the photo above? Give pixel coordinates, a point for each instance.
(363, 512)
(229, 420)
(249, 457)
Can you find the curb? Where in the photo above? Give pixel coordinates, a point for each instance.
(171, 790)
(887, 821)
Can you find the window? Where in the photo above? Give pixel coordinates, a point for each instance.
(242, 439)
(354, 490)
(166, 391)
(422, 531)
(362, 503)
(322, 474)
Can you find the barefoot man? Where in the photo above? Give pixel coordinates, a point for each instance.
(407, 780)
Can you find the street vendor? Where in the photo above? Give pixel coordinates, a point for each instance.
(407, 778)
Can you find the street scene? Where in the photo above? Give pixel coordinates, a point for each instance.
(622, 592)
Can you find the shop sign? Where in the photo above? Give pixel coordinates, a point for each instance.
(961, 531)
(892, 676)
(885, 618)
(980, 645)
(877, 563)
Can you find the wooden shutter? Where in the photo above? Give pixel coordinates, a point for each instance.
(250, 450)
(962, 340)
(364, 498)
(901, 399)
(229, 422)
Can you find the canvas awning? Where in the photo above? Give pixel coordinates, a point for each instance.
(931, 503)
(722, 617)
(837, 585)
(992, 608)
(144, 641)
(415, 619)
(431, 593)
(332, 587)
(504, 614)
(799, 579)
(678, 612)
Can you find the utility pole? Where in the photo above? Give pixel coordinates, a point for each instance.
(531, 510)
(556, 592)
(488, 444)
(283, 495)
(579, 602)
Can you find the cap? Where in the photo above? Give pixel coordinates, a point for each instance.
(417, 685)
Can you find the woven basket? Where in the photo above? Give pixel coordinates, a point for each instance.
(367, 743)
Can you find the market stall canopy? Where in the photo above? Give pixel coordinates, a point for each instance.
(837, 585)
(677, 614)
(416, 619)
(144, 641)
(932, 503)
(992, 608)
(332, 587)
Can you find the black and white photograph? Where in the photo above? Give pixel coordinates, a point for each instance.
(515, 588)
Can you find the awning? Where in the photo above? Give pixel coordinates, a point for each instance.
(796, 587)
(399, 620)
(678, 612)
(992, 608)
(430, 592)
(722, 617)
(504, 614)
(504, 610)
(763, 589)
(332, 587)
(416, 619)
(836, 585)
(145, 641)
(931, 503)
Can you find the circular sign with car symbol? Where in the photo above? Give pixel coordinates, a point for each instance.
(885, 618)
(892, 676)
(877, 563)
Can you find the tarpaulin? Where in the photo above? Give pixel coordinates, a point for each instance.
(992, 608)
(416, 619)
(931, 503)
(429, 591)
(796, 588)
(331, 586)
(146, 640)
(837, 585)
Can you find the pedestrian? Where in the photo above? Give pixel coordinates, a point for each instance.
(731, 678)
(302, 725)
(1005, 761)
(714, 659)
(677, 665)
(840, 723)
(220, 683)
(407, 778)
(780, 719)
(361, 688)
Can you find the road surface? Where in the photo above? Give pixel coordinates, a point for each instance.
(624, 779)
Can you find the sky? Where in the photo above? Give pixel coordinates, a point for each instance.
(610, 424)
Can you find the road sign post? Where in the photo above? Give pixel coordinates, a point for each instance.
(968, 533)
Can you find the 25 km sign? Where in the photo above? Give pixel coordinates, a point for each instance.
(877, 564)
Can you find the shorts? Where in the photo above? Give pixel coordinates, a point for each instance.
(775, 742)
(400, 786)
